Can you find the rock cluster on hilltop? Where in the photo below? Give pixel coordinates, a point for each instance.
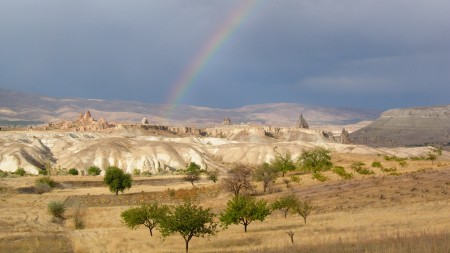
(85, 122)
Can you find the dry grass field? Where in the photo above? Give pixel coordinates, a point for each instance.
(403, 211)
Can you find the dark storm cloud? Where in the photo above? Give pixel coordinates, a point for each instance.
(337, 53)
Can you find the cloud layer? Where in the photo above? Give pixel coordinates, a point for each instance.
(369, 54)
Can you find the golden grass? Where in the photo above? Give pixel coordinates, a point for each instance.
(378, 213)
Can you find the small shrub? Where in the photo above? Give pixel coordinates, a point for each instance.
(358, 167)
(393, 158)
(56, 209)
(377, 164)
(403, 164)
(364, 171)
(3, 173)
(319, 176)
(341, 172)
(146, 174)
(78, 219)
(296, 179)
(171, 192)
(136, 172)
(94, 171)
(417, 158)
(20, 172)
(73, 172)
(287, 182)
(43, 172)
(389, 169)
(213, 175)
(46, 181)
(40, 188)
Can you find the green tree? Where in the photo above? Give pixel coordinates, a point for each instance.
(317, 159)
(266, 174)
(286, 203)
(192, 173)
(243, 210)
(117, 180)
(148, 215)
(283, 163)
(304, 209)
(238, 180)
(189, 220)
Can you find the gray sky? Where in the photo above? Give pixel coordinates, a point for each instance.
(347, 53)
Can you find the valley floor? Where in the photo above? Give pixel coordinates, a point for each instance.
(403, 212)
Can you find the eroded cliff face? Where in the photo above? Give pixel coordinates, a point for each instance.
(60, 150)
(407, 127)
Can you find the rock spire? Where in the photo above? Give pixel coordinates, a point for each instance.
(301, 123)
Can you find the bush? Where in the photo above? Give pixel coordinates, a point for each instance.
(42, 188)
(56, 209)
(73, 172)
(341, 172)
(389, 169)
(319, 176)
(20, 172)
(358, 167)
(417, 158)
(317, 159)
(3, 173)
(146, 174)
(377, 164)
(43, 172)
(403, 164)
(46, 181)
(296, 179)
(136, 172)
(393, 158)
(78, 218)
(94, 171)
(213, 175)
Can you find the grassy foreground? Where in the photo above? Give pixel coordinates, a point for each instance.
(405, 212)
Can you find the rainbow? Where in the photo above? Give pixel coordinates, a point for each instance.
(210, 48)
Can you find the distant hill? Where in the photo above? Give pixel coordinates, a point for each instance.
(407, 127)
(20, 107)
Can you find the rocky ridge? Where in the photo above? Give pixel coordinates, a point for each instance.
(160, 149)
(407, 127)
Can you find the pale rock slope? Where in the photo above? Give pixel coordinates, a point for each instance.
(34, 150)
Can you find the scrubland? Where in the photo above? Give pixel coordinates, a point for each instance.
(406, 210)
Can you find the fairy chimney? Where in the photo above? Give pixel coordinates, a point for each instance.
(226, 121)
(301, 123)
(344, 137)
